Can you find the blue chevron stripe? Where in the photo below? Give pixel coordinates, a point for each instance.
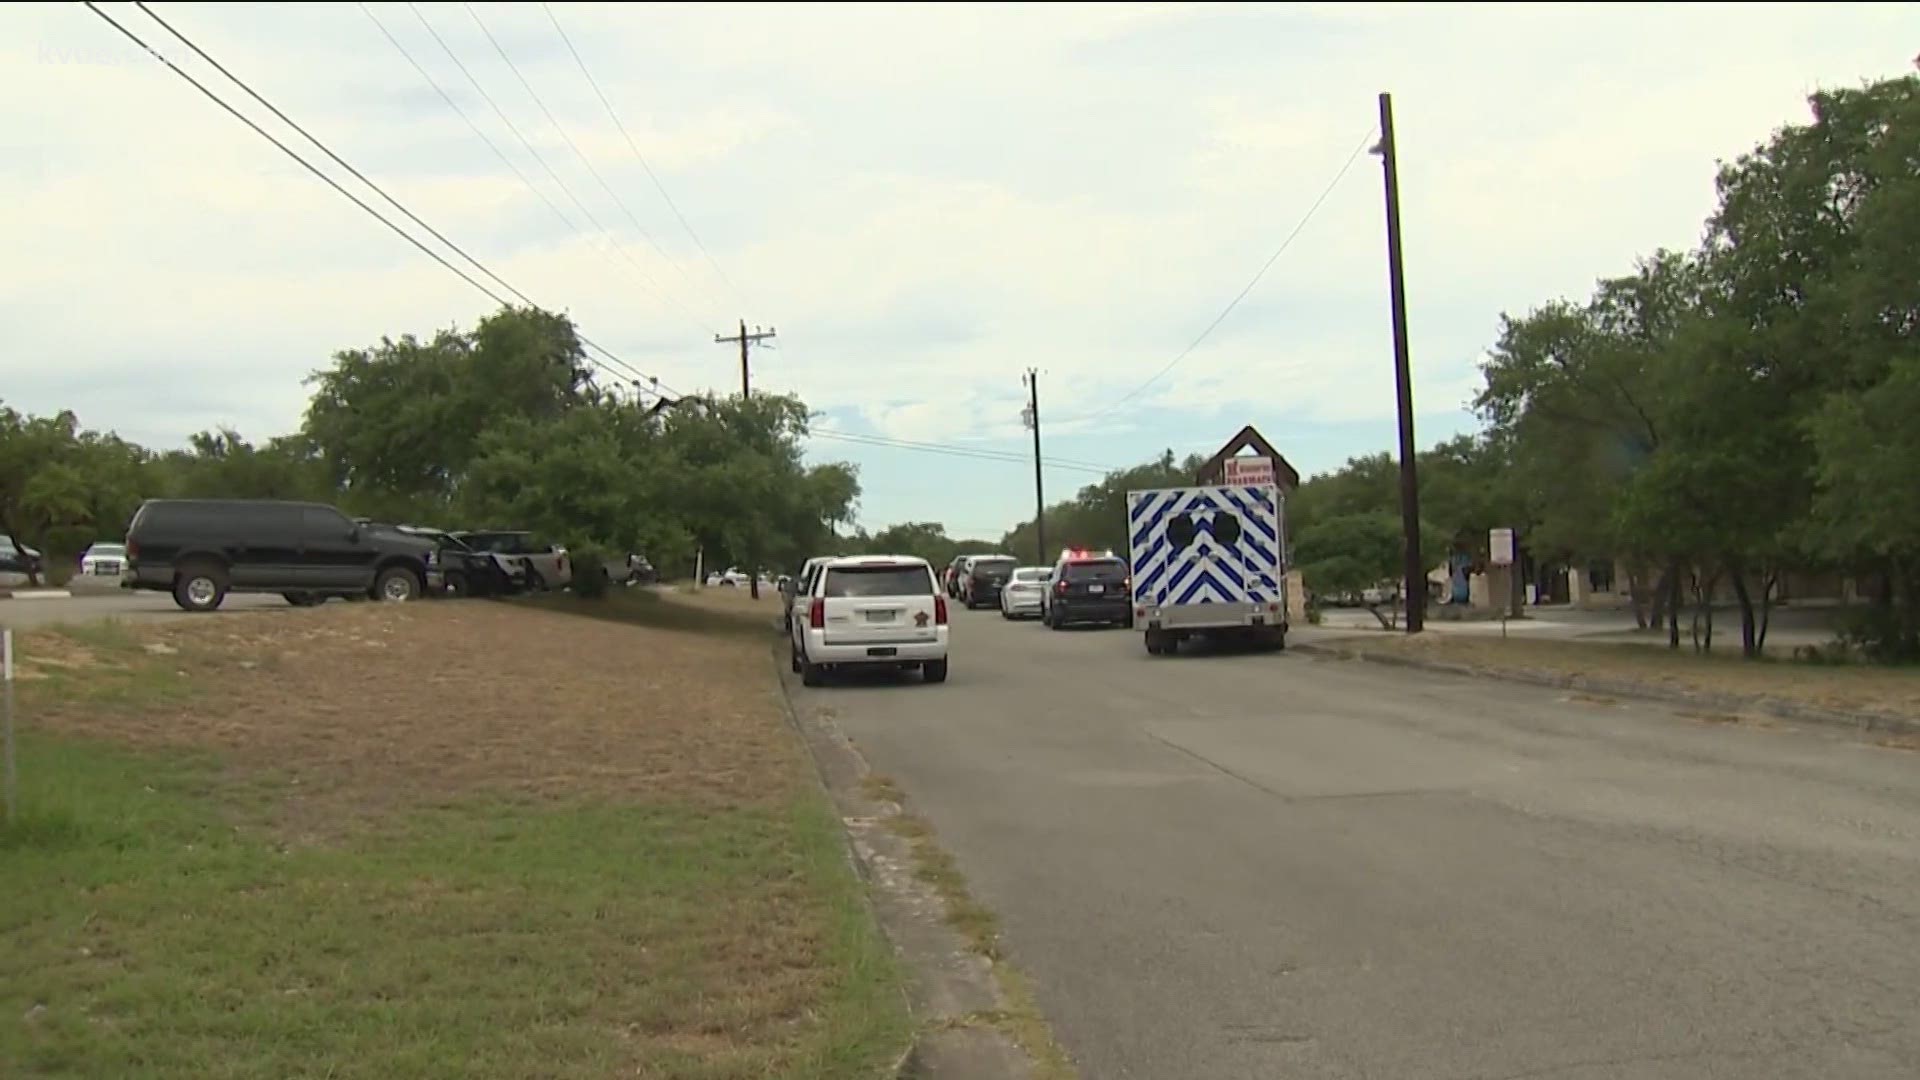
(1141, 505)
(1224, 567)
(1257, 519)
(1203, 580)
(1153, 524)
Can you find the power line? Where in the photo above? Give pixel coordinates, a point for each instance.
(283, 148)
(330, 181)
(571, 145)
(1242, 295)
(969, 453)
(1010, 455)
(325, 149)
(640, 157)
(645, 278)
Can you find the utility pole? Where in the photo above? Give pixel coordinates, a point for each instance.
(1414, 589)
(745, 339)
(1031, 416)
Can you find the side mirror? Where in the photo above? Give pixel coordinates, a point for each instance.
(354, 534)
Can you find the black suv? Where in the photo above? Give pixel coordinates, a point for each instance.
(984, 577)
(201, 549)
(1088, 589)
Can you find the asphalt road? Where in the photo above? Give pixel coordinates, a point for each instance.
(1276, 866)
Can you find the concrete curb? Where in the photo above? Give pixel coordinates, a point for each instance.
(35, 594)
(935, 1051)
(1871, 723)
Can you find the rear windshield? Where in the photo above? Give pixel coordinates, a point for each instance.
(1035, 574)
(1104, 570)
(993, 567)
(855, 581)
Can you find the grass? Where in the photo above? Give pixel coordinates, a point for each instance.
(298, 870)
(1852, 688)
(707, 611)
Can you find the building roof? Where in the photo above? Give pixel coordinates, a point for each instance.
(1215, 470)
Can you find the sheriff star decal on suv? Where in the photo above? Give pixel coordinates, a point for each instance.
(920, 618)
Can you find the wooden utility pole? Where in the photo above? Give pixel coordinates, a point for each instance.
(1414, 589)
(745, 339)
(1032, 418)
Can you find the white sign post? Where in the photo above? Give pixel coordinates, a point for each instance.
(1500, 546)
(1249, 471)
(6, 719)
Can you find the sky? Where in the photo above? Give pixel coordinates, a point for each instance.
(923, 201)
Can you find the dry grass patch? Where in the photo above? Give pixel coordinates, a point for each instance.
(461, 839)
(1861, 689)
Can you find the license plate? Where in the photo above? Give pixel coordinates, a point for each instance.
(879, 616)
(1096, 588)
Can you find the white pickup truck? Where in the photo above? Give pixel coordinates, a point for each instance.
(1209, 561)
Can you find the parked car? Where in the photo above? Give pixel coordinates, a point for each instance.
(527, 561)
(871, 610)
(463, 570)
(17, 558)
(1025, 593)
(103, 560)
(640, 571)
(201, 549)
(732, 578)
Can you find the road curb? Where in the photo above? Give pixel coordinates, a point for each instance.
(35, 594)
(1871, 723)
(938, 1049)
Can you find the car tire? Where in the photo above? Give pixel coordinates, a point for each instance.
(812, 674)
(200, 586)
(397, 584)
(793, 657)
(304, 599)
(934, 671)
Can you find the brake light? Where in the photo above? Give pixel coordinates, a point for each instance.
(1061, 587)
(133, 551)
(817, 614)
(939, 611)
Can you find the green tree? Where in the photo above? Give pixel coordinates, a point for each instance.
(405, 419)
(62, 487)
(1351, 553)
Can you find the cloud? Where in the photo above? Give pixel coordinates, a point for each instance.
(926, 201)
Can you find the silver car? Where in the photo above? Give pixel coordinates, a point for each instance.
(1022, 596)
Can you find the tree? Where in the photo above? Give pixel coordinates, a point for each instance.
(61, 487)
(1354, 552)
(1096, 517)
(1814, 245)
(223, 465)
(406, 418)
(732, 470)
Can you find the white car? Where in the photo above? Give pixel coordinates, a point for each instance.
(733, 578)
(1025, 592)
(104, 560)
(867, 610)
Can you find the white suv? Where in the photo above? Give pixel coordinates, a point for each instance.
(870, 609)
